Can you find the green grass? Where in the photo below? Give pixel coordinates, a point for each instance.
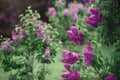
(3, 75)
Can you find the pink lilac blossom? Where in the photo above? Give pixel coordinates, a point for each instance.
(111, 77)
(75, 35)
(52, 11)
(40, 32)
(47, 53)
(66, 12)
(73, 75)
(14, 37)
(47, 40)
(21, 32)
(5, 45)
(80, 6)
(74, 17)
(70, 57)
(74, 8)
(60, 3)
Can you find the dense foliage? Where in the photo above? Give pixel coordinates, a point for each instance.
(30, 50)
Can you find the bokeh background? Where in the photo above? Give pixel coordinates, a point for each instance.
(11, 9)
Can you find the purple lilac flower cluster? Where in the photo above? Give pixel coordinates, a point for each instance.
(47, 53)
(69, 59)
(5, 45)
(94, 19)
(111, 77)
(75, 35)
(92, 1)
(71, 75)
(88, 54)
(40, 32)
(17, 37)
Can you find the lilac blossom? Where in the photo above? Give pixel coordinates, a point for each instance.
(65, 75)
(88, 57)
(111, 77)
(66, 12)
(15, 37)
(73, 75)
(94, 11)
(92, 23)
(5, 45)
(75, 35)
(67, 67)
(47, 40)
(40, 32)
(21, 32)
(60, 3)
(89, 46)
(94, 19)
(80, 6)
(88, 54)
(47, 53)
(92, 1)
(74, 8)
(52, 11)
(74, 17)
(70, 57)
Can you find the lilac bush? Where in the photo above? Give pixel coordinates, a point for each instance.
(30, 43)
(93, 57)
